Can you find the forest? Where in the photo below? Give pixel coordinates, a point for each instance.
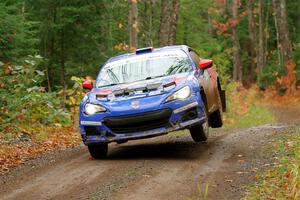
(250, 41)
(49, 47)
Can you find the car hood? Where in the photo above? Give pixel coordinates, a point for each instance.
(141, 96)
(139, 89)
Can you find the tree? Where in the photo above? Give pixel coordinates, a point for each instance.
(168, 24)
(76, 37)
(261, 58)
(133, 25)
(283, 41)
(164, 22)
(253, 39)
(173, 22)
(18, 35)
(237, 62)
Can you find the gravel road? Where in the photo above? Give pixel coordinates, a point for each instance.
(166, 167)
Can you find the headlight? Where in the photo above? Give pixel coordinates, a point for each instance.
(91, 109)
(183, 93)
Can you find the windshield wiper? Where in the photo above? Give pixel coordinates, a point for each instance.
(152, 77)
(109, 85)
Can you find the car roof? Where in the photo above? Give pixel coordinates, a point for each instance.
(154, 50)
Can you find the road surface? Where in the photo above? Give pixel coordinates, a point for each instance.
(166, 167)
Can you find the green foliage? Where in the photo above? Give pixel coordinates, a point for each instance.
(77, 37)
(297, 60)
(17, 35)
(269, 75)
(75, 94)
(23, 100)
(195, 29)
(81, 35)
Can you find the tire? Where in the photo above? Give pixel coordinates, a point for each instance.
(216, 118)
(122, 141)
(200, 132)
(98, 151)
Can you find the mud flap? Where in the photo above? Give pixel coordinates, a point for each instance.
(223, 99)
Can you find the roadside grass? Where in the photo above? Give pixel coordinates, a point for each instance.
(202, 192)
(256, 115)
(282, 180)
(244, 108)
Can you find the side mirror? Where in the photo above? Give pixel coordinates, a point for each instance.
(87, 85)
(205, 63)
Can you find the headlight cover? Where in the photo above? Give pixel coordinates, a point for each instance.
(183, 93)
(91, 109)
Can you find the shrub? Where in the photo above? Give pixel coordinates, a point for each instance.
(23, 100)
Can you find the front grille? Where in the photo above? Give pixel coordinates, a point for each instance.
(138, 122)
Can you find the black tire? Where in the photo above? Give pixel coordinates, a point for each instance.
(200, 132)
(98, 151)
(122, 141)
(216, 118)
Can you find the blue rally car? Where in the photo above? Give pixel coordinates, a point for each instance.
(149, 93)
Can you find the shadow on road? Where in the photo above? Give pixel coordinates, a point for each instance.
(165, 150)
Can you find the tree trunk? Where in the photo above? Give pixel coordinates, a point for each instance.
(150, 28)
(62, 64)
(237, 63)
(283, 41)
(133, 25)
(253, 41)
(284, 45)
(267, 30)
(173, 22)
(51, 52)
(147, 22)
(261, 37)
(164, 22)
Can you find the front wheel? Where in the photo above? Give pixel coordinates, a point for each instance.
(98, 151)
(200, 132)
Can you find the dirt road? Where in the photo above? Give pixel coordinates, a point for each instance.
(167, 167)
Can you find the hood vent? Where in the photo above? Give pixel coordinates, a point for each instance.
(137, 90)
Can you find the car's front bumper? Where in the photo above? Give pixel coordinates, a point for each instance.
(99, 131)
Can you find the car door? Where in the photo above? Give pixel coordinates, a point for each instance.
(207, 79)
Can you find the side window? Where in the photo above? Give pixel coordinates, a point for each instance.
(195, 58)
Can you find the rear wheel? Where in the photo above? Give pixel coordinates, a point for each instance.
(216, 118)
(200, 132)
(98, 151)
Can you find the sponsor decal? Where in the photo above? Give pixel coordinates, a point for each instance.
(135, 104)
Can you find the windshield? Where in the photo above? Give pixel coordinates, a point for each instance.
(142, 68)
